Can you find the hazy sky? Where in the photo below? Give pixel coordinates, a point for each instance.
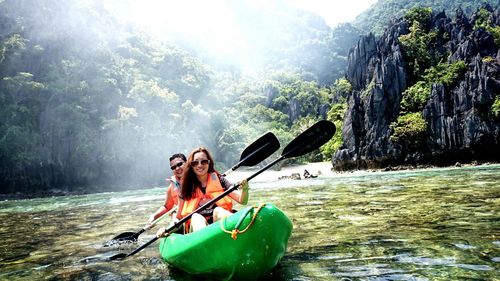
(213, 23)
(155, 12)
(334, 11)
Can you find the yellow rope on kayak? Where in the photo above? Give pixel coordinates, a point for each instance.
(234, 233)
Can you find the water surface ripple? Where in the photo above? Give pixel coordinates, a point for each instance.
(432, 224)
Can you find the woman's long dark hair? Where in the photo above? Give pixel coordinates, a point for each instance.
(189, 179)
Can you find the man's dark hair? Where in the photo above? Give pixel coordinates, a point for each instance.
(178, 155)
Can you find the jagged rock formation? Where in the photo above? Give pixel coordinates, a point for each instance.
(459, 124)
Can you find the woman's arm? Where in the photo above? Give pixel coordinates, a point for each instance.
(241, 195)
(162, 210)
(167, 205)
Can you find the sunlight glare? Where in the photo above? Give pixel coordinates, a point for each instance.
(203, 21)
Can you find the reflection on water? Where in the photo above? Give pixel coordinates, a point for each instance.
(435, 224)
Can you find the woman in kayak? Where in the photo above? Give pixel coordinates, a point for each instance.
(177, 165)
(201, 183)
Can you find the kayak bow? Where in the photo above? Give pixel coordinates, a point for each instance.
(243, 246)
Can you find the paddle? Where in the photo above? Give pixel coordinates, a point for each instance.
(257, 151)
(309, 140)
(133, 236)
(253, 154)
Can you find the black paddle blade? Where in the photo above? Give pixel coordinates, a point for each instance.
(128, 237)
(259, 150)
(311, 139)
(120, 256)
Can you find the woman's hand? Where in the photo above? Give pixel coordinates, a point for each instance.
(243, 198)
(244, 185)
(161, 232)
(151, 219)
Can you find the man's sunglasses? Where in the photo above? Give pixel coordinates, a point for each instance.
(178, 165)
(202, 162)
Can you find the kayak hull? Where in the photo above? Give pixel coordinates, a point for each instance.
(212, 252)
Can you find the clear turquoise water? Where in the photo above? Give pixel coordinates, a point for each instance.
(432, 224)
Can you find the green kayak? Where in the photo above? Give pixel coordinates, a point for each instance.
(243, 246)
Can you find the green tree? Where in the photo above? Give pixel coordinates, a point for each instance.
(416, 96)
(409, 128)
(336, 115)
(415, 47)
(495, 107)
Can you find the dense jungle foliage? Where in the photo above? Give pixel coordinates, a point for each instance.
(91, 101)
(88, 100)
(383, 12)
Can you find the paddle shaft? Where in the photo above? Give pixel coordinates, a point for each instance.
(206, 205)
(186, 218)
(134, 235)
(252, 155)
(209, 203)
(283, 156)
(311, 139)
(222, 195)
(148, 227)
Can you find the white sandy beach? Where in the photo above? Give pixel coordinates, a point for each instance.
(321, 168)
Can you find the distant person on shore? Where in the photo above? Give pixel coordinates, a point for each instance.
(177, 162)
(201, 183)
(307, 175)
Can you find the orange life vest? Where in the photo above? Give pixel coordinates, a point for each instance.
(214, 188)
(173, 191)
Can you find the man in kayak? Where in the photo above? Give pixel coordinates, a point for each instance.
(201, 183)
(171, 195)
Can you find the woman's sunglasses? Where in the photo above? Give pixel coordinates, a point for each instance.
(178, 165)
(202, 162)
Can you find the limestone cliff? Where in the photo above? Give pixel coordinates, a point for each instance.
(459, 123)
